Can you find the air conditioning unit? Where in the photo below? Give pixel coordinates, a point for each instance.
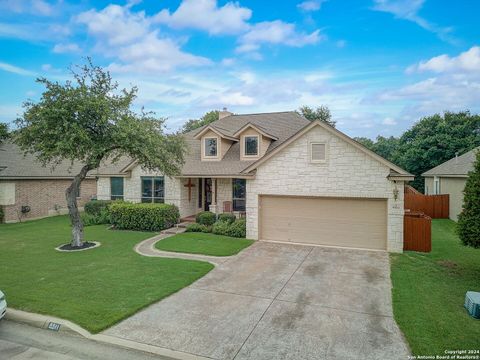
(472, 303)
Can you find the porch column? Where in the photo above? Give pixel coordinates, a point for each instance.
(213, 205)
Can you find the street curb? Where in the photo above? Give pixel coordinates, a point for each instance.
(43, 321)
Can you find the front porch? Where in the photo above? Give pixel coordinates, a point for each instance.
(215, 194)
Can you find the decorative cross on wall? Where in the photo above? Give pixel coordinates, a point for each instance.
(189, 184)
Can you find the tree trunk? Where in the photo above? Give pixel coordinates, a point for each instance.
(71, 194)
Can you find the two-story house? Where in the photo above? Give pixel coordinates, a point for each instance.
(294, 180)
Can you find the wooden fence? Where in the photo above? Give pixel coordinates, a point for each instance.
(435, 206)
(417, 232)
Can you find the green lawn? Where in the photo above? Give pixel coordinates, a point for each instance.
(202, 243)
(429, 292)
(94, 288)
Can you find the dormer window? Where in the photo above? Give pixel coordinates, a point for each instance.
(211, 147)
(251, 145)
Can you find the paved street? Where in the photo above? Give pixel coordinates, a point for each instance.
(19, 342)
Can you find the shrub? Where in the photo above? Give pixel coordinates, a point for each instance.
(238, 229)
(221, 228)
(468, 226)
(198, 228)
(102, 218)
(2, 215)
(146, 217)
(206, 218)
(95, 207)
(227, 217)
(235, 229)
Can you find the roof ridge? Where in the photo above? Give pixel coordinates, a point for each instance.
(263, 113)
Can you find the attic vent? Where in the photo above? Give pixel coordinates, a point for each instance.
(472, 303)
(318, 152)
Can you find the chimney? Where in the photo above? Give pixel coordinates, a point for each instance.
(456, 157)
(224, 113)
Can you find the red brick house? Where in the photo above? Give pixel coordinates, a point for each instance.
(29, 190)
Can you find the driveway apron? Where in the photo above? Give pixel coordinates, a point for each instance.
(279, 301)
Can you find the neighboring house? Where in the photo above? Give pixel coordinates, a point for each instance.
(450, 178)
(29, 190)
(294, 180)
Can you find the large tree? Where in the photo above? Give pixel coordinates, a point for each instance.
(386, 147)
(468, 226)
(436, 139)
(321, 113)
(3, 132)
(89, 119)
(430, 142)
(206, 119)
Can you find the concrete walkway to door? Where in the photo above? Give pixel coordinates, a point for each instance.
(279, 301)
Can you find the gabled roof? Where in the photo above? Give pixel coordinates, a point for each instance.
(457, 166)
(216, 130)
(398, 170)
(257, 128)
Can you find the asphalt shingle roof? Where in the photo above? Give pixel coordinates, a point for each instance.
(456, 166)
(282, 125)
(14, 164)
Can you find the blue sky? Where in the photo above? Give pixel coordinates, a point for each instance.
(379, 65)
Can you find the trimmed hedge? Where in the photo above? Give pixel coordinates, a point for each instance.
(95, 207)
(2, 214)
(144, 217)
(206, 218)
(102, 218)
(236, 229)
(227, 217)
(194, 227)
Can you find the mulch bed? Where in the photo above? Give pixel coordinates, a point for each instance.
(69, 247)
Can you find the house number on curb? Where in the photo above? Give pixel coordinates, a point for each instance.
(53, 326)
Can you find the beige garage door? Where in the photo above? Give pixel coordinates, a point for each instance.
(360, 223)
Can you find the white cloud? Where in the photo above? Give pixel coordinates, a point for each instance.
(34, 7)
(467, 62)
(206, 15)
(310, 5)
(117, 25)
(389, 121)
(276, 32)
(153, 54)
(132, 40)
(408, 10)
(66, 48)
(15, 69)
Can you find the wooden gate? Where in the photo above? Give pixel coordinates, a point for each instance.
(417, 232)
(435, 206)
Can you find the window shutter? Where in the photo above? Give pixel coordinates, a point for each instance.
(318, 152)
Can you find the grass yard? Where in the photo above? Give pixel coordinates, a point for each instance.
(203, 243)
(94, 288)
(429, 292)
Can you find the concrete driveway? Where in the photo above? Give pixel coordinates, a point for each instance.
(276, 301)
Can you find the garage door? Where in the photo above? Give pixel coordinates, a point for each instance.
(359, 223)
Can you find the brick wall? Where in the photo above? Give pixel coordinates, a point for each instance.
(45, 198)
(348, 172)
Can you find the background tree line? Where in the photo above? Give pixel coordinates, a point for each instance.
(429, 142)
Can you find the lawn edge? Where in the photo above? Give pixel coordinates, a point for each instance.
(41, 321)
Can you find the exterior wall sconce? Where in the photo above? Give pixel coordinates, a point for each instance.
(395, 192)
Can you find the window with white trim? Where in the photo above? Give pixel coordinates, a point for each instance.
(211, 146)
(436, 186)
(318, 152)
(251, 145)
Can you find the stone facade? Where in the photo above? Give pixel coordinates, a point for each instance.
(175, 191)
(44, 197)
(348, 172)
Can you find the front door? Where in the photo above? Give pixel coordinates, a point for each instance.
(208, 193)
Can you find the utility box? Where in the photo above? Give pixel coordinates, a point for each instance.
(472, 303)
